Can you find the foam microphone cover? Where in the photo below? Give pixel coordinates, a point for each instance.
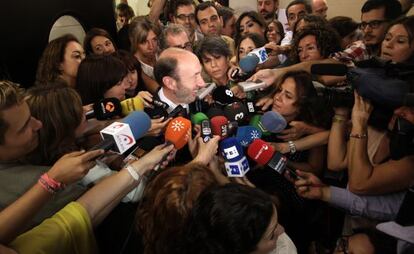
(139, 122)
(198, 118)
(219, 126)
(177, 131)
(231, 149)
(107, 108)
(260, 151)
(236, 111)
(273, 121)
(214, 111)
(247, 134)
(223, 96)
(132, 104)
(249, 63)
(256, 122)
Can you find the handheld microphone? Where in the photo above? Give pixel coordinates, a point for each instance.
(131, 105)
(219, 126)
(273, 121)
(236, 111)
(203, 92)
(236, 163)
(105, 109)
(263, 154)
(253, 58)
(120, 136)
(223, 96)
(206, 133)
(255, 121)
(248, 86)
(247, 134)
(177, 132)
(238, 75)
(160, 104)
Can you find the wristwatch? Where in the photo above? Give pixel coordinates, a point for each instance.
(292, 147)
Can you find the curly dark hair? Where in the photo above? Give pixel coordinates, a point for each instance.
(327, 40)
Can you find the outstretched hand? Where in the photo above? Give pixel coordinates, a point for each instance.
(73, 166)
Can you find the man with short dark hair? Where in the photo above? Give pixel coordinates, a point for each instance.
(269, 9)
(295, 10)
(183, 13)
(211, 23)
(178, 71)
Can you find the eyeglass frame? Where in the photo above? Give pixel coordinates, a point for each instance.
(184, 17)
(373, 24)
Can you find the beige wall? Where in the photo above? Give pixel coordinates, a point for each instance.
(350, 8)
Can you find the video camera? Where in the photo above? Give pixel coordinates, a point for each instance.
(387, 85)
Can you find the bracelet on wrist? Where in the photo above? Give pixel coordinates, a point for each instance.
(339, 119)
(134, 174)
(358, 136)
(292, 147)
(50, 184)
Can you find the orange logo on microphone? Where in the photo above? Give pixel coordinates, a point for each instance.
(110, 107)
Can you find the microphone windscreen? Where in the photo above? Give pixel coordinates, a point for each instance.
(236, 112)
(256, 122)
(139, 122)
(214, 111)
(249, 63)
(107, 108)
(132, 104)
(247, 134)
(223, 96)
(329, 69)
(219, 126)
(198, 118)
(260, 151)
(273, 121)
(231, 149)
(177, 131)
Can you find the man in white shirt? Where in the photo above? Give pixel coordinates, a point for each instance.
(178, 71)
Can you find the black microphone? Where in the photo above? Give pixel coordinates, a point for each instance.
(223, 96)
(104, 109)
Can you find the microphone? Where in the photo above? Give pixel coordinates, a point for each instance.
(160, 104)
(213, 111)
(223, 96)
(329, 69)
(206, 133)
(198, 118)
(120, 136)
(132, 104)
(253, 58)
(203, 92)
(219, 126)
(273, 121)
(263, 154)
(256, 122)
(177, 132)
(248, 86)
(236, 163)
(247, 134)
(236, 111)
(105, 109)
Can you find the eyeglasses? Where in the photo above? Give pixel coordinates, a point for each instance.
(184, 17)
(373, 24)
(187, 46)
(342, 244)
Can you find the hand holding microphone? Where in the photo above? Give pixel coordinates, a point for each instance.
(310, 186)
